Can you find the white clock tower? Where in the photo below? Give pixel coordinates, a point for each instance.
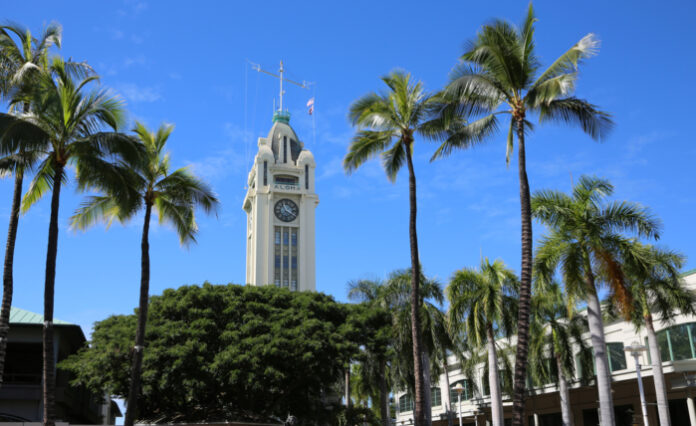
(280, 205)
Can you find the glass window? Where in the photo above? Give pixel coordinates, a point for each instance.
(677, 342)
(285, 149)
(617, 356)
(265, 173)
(405, 403)
(285, 180)
(306, 176)
(466, 392)
(681, 345)
(435, 397)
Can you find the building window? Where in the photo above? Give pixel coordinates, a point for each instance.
(306, 176)
(677, 342)
(617, 356)
(265, 173)
(285, 266)
(467, 392)
(435, 397)
(286, 180)
(405, 403)
(285, 149)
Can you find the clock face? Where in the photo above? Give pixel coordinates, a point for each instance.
(286, 210)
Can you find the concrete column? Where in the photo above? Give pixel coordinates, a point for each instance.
(692, 410)
(536, 419)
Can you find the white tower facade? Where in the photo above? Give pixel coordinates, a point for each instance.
(280, 204)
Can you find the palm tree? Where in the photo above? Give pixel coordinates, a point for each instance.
(173, 194)
(19, 60)
(374, 365)
(64, 124)
(388, 123)
(482, 305)
(500, 74)
(555, 330)
(656, 286)
(586, 242)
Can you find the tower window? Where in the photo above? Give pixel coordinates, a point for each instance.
(306, 176)
(285, 265)
(265, 173)
(285, 149)
(286, 180)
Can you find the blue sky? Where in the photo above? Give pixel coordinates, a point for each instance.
(186, 64)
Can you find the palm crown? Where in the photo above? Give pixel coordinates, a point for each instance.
(586, 236)
(388, 122)
(499, 74)
(174, 194)
(482, 298)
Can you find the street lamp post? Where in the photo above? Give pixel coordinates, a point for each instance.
(636, 349)
(459, 390)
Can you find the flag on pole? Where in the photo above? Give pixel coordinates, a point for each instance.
(310, 105)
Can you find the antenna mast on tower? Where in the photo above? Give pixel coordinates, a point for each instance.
(281, 77)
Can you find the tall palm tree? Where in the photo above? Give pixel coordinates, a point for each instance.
(174, 195)
(388, 123)
(20, 58)
(482, 304)
(656, 287)
(586, 241)
(500, 74)
(555, 330)
(64, 123)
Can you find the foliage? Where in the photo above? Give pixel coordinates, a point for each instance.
(226, 352)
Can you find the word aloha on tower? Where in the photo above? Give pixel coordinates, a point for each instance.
(280, 203)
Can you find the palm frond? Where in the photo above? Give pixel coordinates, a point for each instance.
(365, 145)
(93, 210)
(467, 136)
(595, 123)
(569, 61)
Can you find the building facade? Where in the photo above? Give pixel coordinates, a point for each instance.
(678, 352)
(21, 390)
(280, 204)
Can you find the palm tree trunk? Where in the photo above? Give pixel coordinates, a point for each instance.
(49, 373)
(419, 412)
(494, 380)
(447, 384)
(7, 276)
(566, 411)
(427, 384)
(132, 404)
(596, 326)
(384, 395)
(658, 375)
(525, 284)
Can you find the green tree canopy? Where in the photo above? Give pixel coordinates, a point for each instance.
(227, 352)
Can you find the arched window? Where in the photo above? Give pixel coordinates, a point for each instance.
(435, 397)
(405, 403)
(467, 393)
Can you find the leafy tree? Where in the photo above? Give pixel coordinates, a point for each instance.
(500, 74)
(586, 242)
(20, 59)
(656, 287)
(555, 329)
(388, 123)
(225, 353)
(482, 305)
(173, 194)
(64, 123)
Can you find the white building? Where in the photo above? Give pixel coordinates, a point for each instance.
(678, 351)
(280, 203)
